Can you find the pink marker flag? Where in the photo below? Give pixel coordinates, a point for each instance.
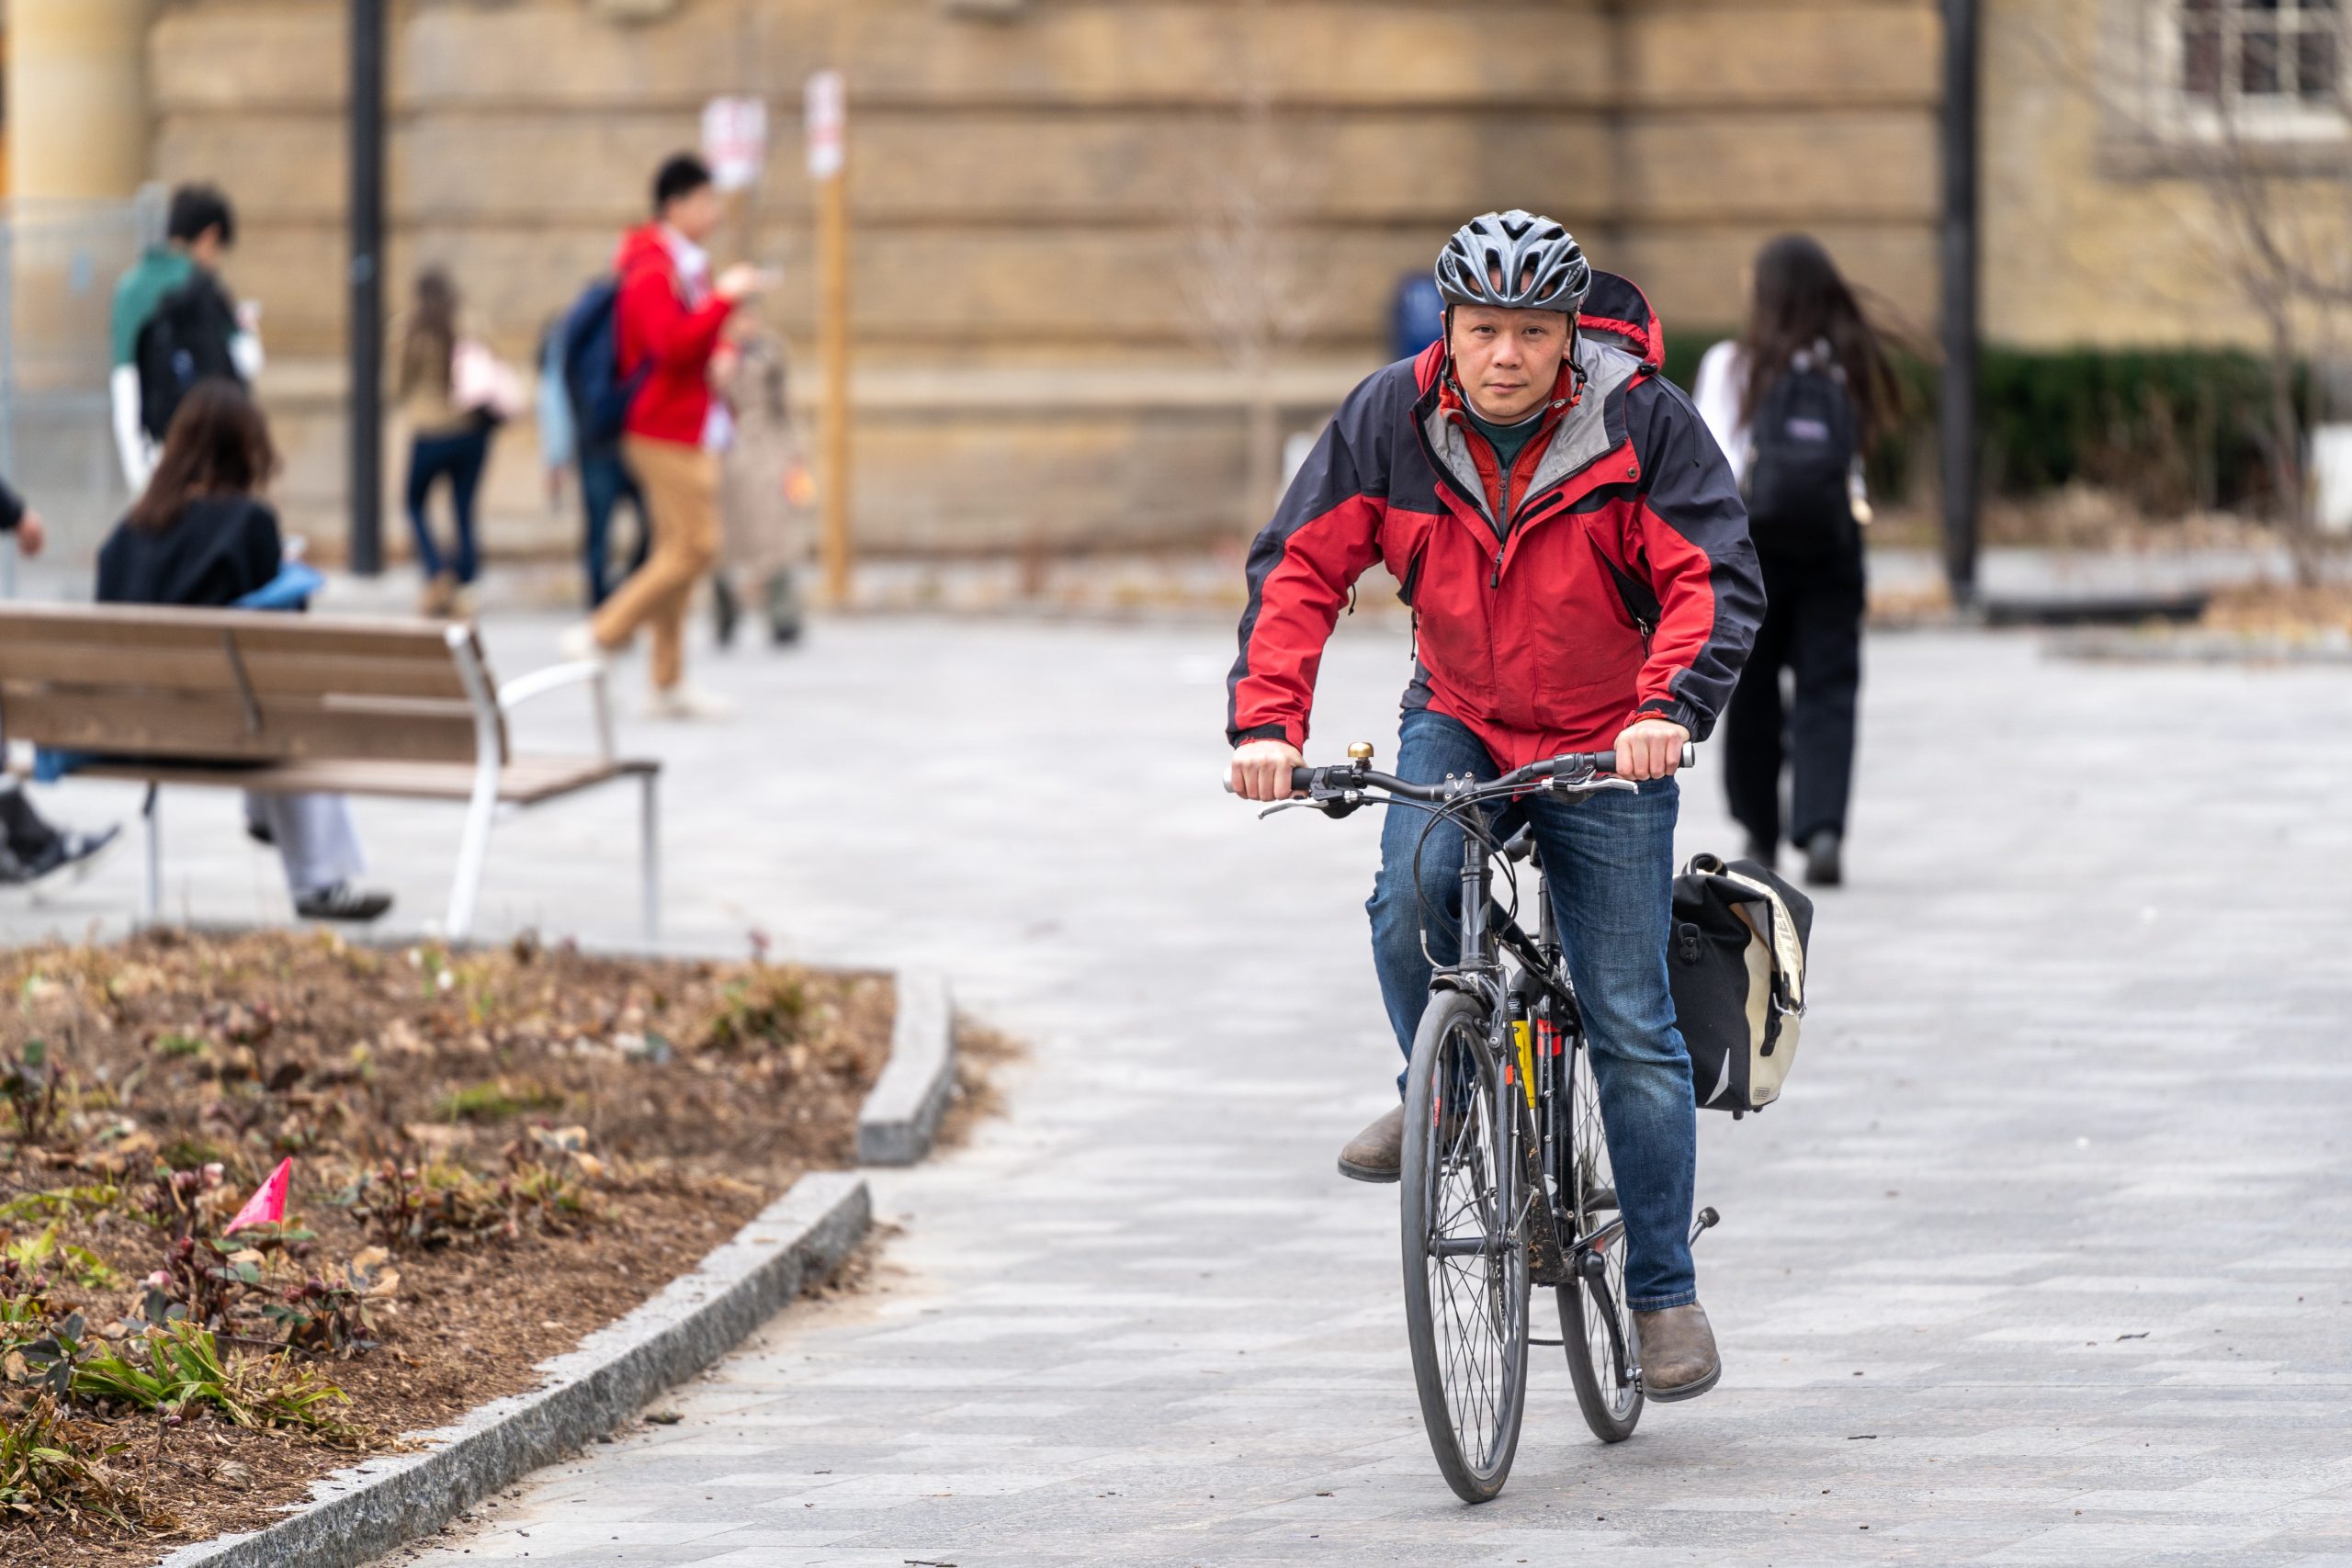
(267, 1206)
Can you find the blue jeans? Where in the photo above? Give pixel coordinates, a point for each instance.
(605, 483)
(1609, 861)
(459, 459)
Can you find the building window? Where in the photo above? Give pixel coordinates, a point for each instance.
(2260, 55)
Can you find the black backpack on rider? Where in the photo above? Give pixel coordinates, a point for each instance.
(1735, 961)
(185, 341)
(1801, 448)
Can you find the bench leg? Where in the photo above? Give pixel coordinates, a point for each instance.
(473, 855)
(650, 852)
(151, 888)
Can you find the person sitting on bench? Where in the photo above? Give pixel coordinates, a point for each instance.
(201, 536)
(34, 851)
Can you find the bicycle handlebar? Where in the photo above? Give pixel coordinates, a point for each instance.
(1348, 776)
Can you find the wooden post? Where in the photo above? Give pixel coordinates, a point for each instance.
(832, 306)
(829, 167)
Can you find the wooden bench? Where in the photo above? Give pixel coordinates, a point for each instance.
(282, 704)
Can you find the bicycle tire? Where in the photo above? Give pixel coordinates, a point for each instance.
(1466, 1318)
(1611, 1399)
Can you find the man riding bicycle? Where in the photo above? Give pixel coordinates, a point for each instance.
(1576, 558)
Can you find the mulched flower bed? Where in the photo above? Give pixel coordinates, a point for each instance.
(494, 1151)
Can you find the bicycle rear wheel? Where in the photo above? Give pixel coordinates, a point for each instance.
(1595, 1325)
(1464, 1250)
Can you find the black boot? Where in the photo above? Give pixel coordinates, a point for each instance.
(725, 610)
(1824, 859)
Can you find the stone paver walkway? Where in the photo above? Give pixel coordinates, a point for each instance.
(2046, 1257)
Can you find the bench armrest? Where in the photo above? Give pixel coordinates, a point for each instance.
(555, 677)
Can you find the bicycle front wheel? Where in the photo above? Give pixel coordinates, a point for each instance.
(1595, 1325)
(1466, 1249)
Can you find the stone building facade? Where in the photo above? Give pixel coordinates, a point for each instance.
(1057, 203)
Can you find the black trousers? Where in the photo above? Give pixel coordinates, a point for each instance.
(1813, 628)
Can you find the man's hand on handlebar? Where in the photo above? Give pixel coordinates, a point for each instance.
(1262, 769)
(1650, 749)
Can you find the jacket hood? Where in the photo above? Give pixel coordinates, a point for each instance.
(640, 246)
(1615, 312)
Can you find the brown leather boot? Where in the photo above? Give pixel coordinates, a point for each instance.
(1678, 1360)
(1374, 1154)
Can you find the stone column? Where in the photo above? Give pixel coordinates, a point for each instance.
(77, 97)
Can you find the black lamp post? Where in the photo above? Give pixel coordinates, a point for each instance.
(1957, 422)
(366, 323)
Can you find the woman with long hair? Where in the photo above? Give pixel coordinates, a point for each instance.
(450, 416)
(202, 535)
(1794, 402)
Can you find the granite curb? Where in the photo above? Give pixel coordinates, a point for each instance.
(901, 1113)
(357, 1515)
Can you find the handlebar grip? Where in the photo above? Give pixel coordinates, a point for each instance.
(1606, 761)
(1300, 779)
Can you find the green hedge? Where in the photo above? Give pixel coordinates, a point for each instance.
(2172, 429)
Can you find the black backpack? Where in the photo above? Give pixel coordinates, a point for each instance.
(1736, 960)
(1801, 449)
(600, 394)
(185, 341)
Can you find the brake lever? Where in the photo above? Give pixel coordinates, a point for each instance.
(1589, 785)
(1333, 807)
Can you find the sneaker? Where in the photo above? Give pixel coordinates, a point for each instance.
(343, 902)
(440, 595)
(683, 701)
(578, 645)
(70, 857)
(1377, 1153)
(1824, 859)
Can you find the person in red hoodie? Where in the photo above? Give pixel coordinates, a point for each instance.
(669, 323)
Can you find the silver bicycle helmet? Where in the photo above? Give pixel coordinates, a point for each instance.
(1514, 261)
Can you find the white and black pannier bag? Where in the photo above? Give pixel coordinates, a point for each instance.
(1736, 958)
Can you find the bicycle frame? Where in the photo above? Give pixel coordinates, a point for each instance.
(1532, 1020)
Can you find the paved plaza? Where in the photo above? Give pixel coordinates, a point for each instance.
(2045, 1259)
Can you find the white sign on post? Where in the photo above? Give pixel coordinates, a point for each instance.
(826, 103)
(735, 141)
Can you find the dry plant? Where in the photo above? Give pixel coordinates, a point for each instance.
(1251, 291)
(2203, 95)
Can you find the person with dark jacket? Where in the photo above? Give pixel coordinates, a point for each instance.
(200, 534)
(201, 333)
(1803, 322)
(33, 851)
(1577, 562)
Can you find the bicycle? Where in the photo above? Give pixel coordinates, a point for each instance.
(1506, 1181)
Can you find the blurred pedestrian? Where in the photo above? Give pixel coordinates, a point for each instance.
(768, 530)
(201, 534)
(1794, 402)
(454, 394)
(669, 316)
(174, 324)
(33, 851)
(584, 403)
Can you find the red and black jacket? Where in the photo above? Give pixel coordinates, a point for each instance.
(1608, 577)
